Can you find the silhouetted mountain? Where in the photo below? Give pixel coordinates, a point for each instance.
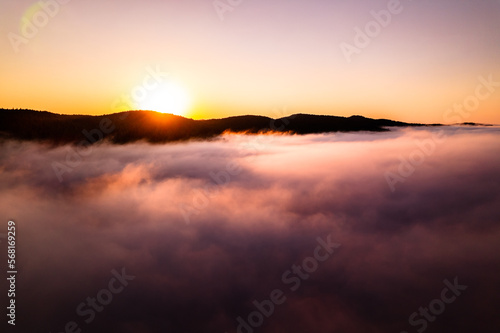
(473, 124)
(152, 126)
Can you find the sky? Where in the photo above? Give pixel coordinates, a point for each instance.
(204, 229)
(419, 62)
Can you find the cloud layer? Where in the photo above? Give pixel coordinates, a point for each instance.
(207, 228)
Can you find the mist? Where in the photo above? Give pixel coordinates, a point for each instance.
(380, 223)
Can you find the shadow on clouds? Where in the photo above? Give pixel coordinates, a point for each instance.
(255, 207)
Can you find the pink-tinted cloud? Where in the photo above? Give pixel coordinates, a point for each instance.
(122, 207)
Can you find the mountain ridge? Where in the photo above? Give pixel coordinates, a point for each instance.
(155, 127)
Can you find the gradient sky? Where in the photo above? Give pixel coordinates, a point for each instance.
(264, 55)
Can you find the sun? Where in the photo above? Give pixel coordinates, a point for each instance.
(167, 97)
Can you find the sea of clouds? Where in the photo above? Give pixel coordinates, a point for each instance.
(219, 236)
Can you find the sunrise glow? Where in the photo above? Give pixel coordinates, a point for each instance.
(167, 97)
(250, 166)
(234, 59)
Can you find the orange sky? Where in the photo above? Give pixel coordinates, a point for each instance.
(262, 58)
